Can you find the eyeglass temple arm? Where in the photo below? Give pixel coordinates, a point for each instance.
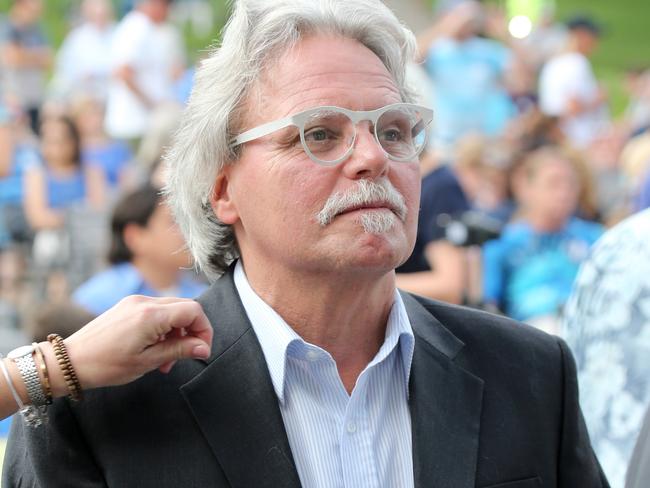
(261, 131)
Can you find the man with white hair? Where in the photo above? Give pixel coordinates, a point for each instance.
(295, 178)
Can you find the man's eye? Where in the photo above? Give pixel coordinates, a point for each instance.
(318, 135)
(391, 135)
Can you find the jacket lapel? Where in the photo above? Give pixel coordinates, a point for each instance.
(445, 403)
(234, 402)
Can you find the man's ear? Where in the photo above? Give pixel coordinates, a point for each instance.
(221, 201)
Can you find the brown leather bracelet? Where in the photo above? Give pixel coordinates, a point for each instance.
(45, 378)
(61, 353)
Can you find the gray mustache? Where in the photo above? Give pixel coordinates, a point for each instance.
(365, 192)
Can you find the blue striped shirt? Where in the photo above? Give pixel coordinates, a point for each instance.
(339, 440)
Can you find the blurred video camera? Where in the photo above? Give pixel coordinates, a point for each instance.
(470, 228)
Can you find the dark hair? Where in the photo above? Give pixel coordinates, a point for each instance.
(133, 208)
(64, 318)
(73, 132)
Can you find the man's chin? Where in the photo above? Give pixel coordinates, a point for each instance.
(378, 222)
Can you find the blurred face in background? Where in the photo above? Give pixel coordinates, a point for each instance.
(98, 12)
(586, 41)
(58, 145)
(158, 10)
(160, 241)
(552, 187)
(90, 118)
(29, 10)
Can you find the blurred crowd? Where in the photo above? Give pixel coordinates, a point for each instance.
(83, 129)
(525, 170)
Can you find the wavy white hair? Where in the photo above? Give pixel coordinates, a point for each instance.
(257, 34)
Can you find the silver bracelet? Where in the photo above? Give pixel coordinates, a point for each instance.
(15, 394)
(27, 367)
(33, 416)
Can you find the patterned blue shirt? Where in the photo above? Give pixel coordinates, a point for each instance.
(339, 440)
(607, 326)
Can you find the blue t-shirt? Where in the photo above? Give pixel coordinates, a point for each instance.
(468, 87)
(112, 158)
(441, 194)
(64, 191)
(105, 289)
(529, 274)
(11, 186)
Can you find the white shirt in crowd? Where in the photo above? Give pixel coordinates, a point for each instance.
(154, 52)
(84, 62)
(567, 77)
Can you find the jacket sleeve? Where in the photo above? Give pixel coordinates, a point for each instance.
(578, 465)
(52, 455)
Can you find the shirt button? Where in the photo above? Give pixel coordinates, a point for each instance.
(312, 355)
(351, 428)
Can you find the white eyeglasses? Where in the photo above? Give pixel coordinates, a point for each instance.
(328, 134)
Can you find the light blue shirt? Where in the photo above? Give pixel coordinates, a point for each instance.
(339, 440)
(105, 289)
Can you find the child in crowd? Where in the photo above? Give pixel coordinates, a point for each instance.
(97, 149)
(53, 190)
(530, 269)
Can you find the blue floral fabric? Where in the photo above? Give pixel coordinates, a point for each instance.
(607, 325)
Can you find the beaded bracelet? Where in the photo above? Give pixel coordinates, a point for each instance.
(61, 353)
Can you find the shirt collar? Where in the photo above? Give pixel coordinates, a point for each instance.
(275, 335)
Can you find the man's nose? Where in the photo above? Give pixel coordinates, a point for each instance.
(368, 159)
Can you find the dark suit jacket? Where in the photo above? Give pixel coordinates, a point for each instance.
(493, 404)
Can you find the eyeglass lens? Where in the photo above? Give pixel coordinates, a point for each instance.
(329, 135)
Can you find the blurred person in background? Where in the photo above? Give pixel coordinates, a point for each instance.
(637, 112)
(436, 268)
(145, 59)
(53, 191)
(6, 144)
(147, 256)
(468, 74)
(483, 168)
(607, 325)
(61, 180)
(529, 270)
(83, 60)
(568, 88)
(62, 317)
(547, 38)
(26, 56)
(113, 156)
(20, 151)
